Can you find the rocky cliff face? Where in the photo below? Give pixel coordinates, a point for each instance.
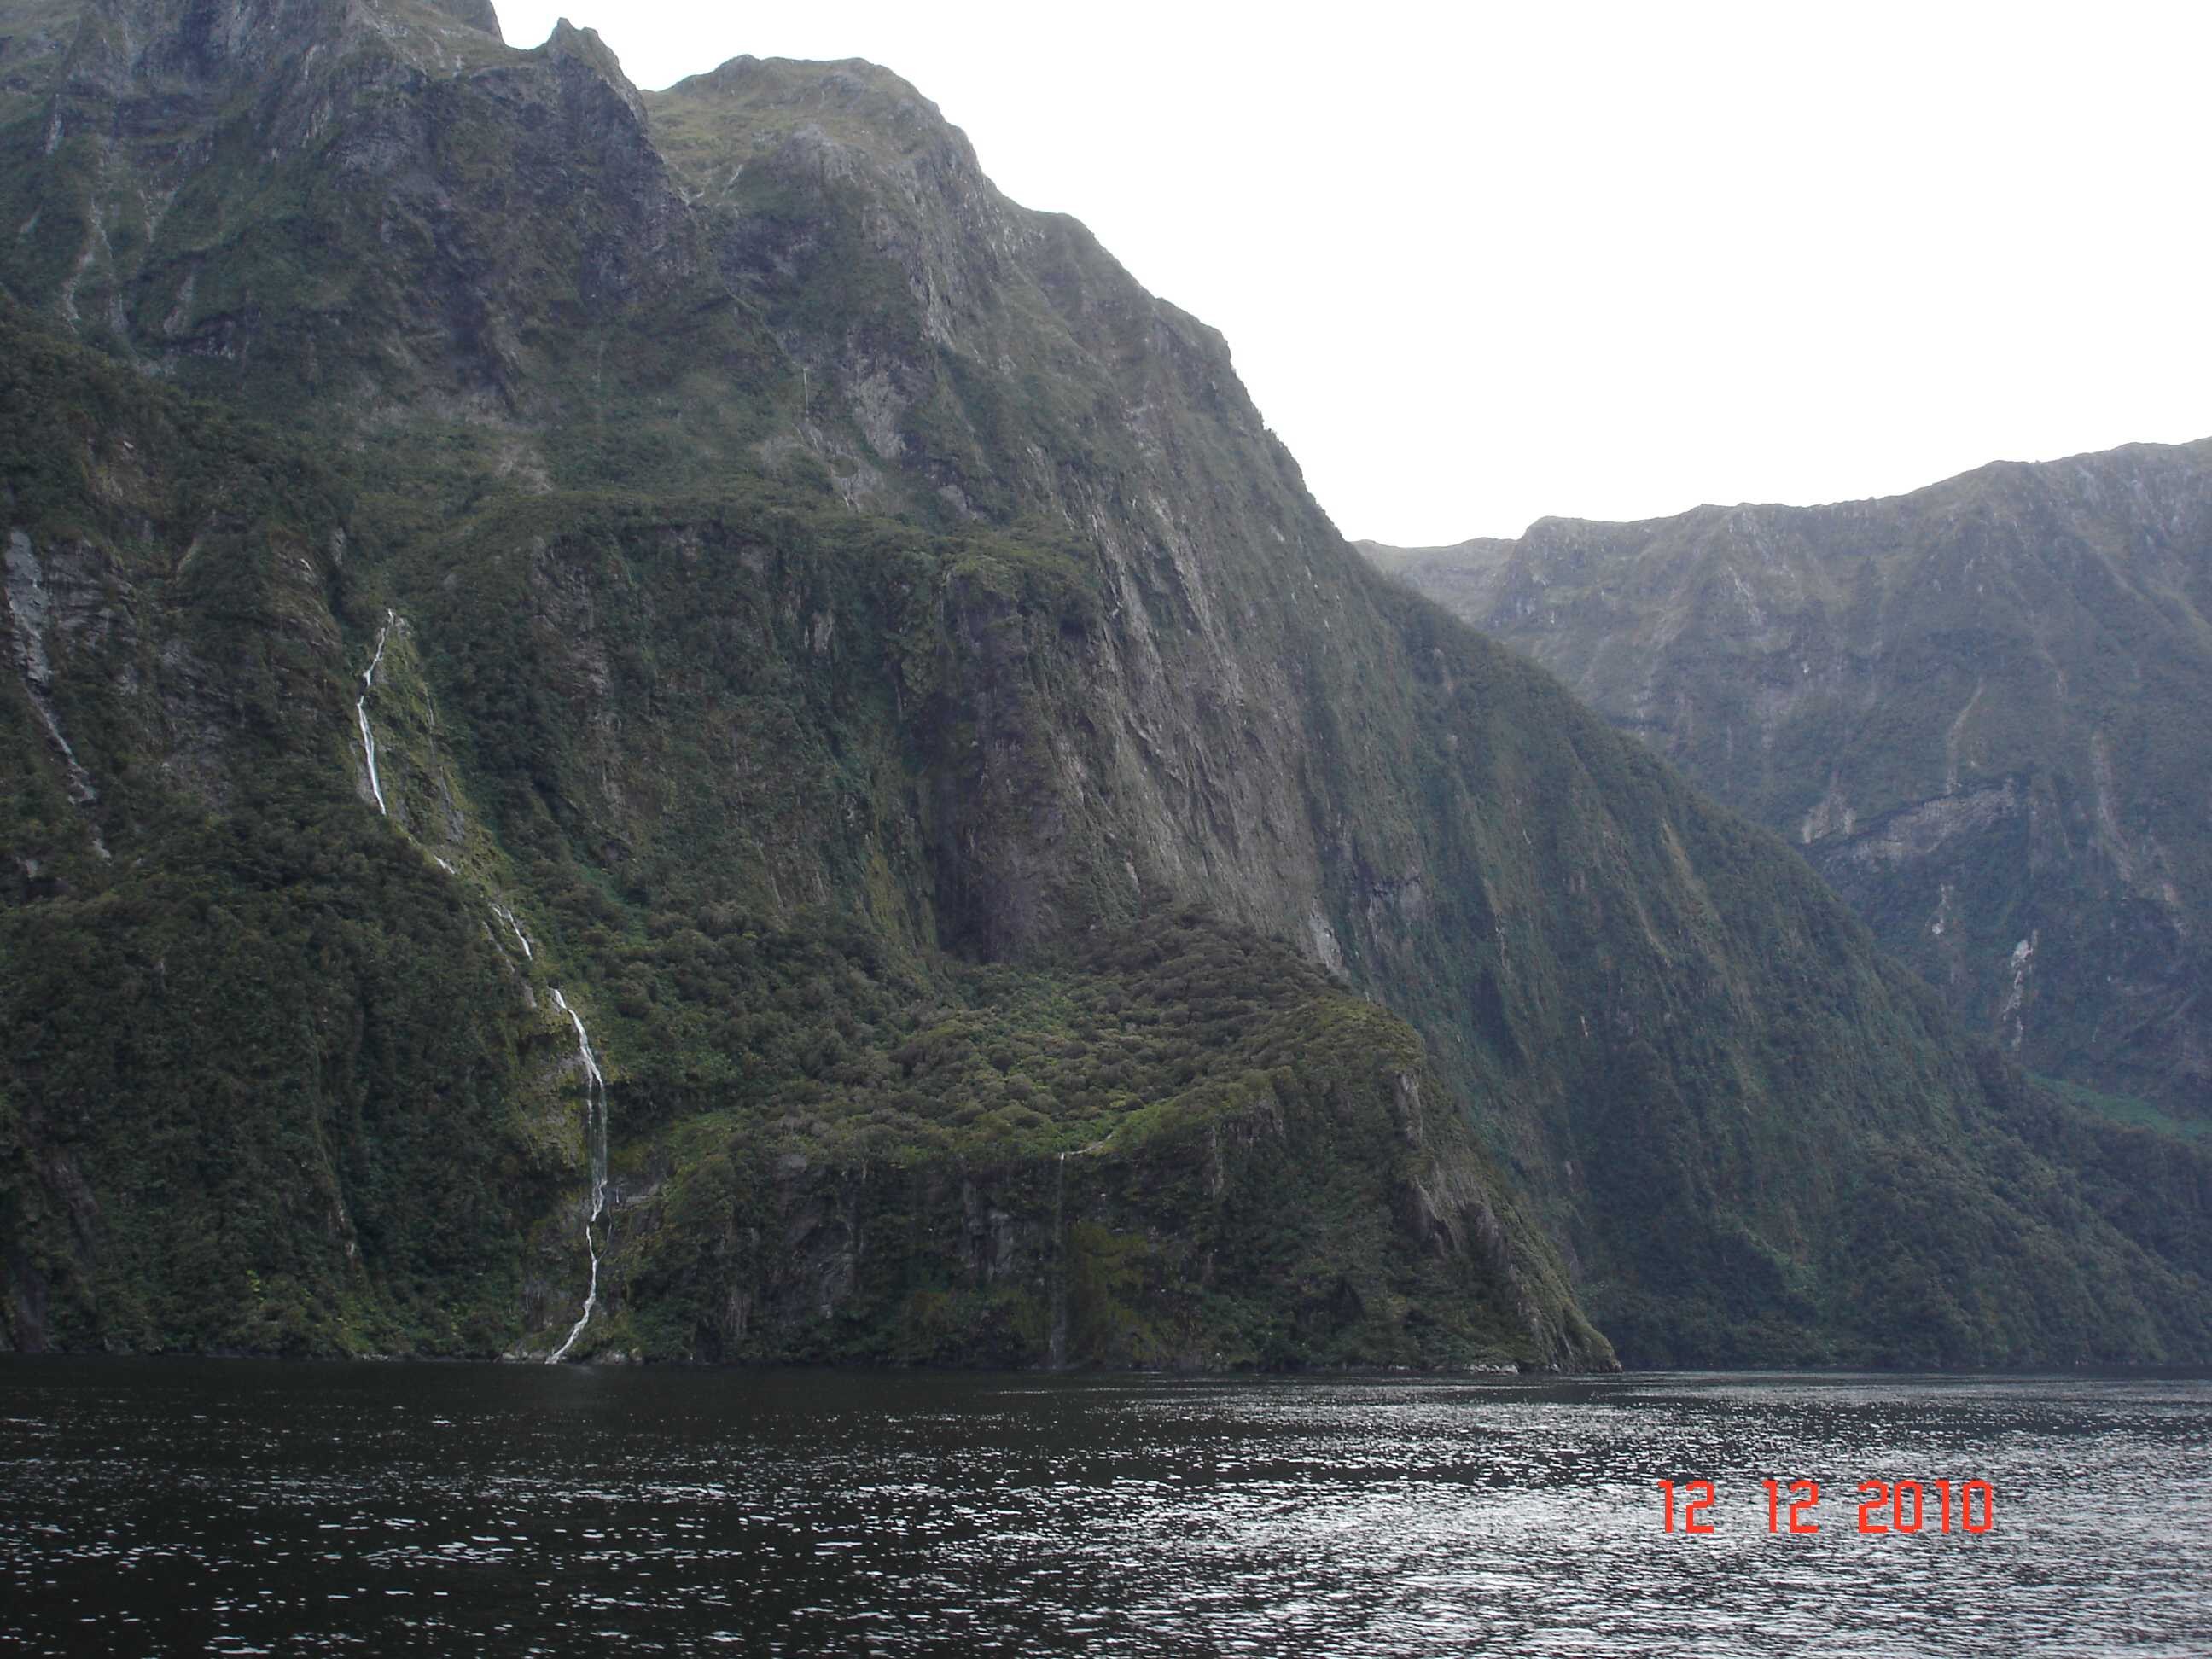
(833, 626)
(1977, 709)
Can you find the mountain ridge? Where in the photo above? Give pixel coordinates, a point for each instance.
(2054, 612)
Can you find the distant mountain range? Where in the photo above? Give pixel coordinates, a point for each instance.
(1983, 711)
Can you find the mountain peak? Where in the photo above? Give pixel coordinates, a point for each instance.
(566, 40)
(849, 102)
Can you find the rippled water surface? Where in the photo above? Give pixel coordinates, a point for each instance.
(241, 1507)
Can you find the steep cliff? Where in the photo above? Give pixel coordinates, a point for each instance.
(1977, 709)
(832, 626)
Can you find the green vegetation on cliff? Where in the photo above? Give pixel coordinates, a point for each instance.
(1977, 709)
(288, 1080)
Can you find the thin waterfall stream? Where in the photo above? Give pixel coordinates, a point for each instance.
(595, 1148)
(361, 711)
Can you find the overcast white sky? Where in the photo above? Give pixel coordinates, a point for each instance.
(1608, 261)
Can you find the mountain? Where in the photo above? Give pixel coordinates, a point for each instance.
(1978, 709)
(664, 697)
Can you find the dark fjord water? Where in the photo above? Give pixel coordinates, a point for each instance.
(236, 1507)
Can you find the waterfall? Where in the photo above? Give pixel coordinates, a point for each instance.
(1058, 1350)
(507, 916)
(595, 1148)
(361, 713)
(591, 1298)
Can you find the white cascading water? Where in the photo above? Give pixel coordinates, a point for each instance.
(595, 1081)
(595, 1147)
(361, 713)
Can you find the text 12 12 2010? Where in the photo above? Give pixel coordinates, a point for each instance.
(1884, 1506)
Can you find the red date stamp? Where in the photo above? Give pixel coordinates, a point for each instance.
(1884, 1506)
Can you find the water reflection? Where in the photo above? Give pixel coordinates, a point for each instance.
(242, 1508)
